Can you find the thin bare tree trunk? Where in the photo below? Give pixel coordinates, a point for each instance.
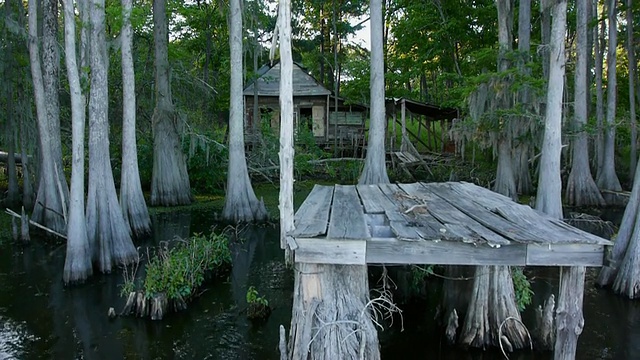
(599, 46)
(77, 265)
(241, 204)
(13, 191)
(633, 153)
(170, 180)
(108, 234)
(132, 202)
(608, 179)
(581, 188)
(375, 169)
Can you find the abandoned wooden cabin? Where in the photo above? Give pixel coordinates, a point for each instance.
(313, 108)
(339, 230)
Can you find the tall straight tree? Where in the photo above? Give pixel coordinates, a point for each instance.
(581, 188)
(375, 168)
(13, 191)
(522, 148)
(170, 180)
(607, 179)
(51, 199)
(493, 297)
(108, 234)
(77, 265)
(132, 202)
(633, 65)
(505, 176)
(599, 46)
(241, 204)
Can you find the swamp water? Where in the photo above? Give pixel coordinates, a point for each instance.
(41, 319)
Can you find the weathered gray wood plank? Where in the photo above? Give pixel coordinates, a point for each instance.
(373, 200)
(392, 251)
(413, 212)
(347, 220)
(565, 254)
(508, 229)
(552, 230)
(312, 217)
(324, 251)
(449, 214)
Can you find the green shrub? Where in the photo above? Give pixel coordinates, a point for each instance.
(180, 270)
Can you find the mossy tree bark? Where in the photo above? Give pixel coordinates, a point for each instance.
(13, 190)
(170, 180)
(77, 265)
(132, 202)
(493, 297)
(241, 204)
(108, 234)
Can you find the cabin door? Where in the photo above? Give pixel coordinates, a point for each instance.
(318, 121)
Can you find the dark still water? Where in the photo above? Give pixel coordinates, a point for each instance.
(41, 319)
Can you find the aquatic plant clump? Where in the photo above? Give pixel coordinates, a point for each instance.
(174, 274)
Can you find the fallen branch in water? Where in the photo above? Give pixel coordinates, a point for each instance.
(14, 214)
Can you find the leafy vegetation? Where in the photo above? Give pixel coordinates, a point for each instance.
(522, 287)
(178, 271)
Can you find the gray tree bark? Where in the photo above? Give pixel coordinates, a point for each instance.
(493, 297)
(607, 179)
(241, 203)
(51, 199)
(505, 175)
(108, 234)
(77, 265)
(569, 319)
(375, 168)
(599, 46)
(287, 151)
(581, 188)
(633, 65)
(521, 150)
(170, 180)
(549, 195)
(13, 190)
(331, 314)
(134, 208)
(492, 301)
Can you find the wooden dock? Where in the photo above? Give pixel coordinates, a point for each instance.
(454, 223)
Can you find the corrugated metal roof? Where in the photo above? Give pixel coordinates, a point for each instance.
(303, 83)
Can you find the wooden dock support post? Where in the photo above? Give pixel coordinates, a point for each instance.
(331, 314)
(569, 319)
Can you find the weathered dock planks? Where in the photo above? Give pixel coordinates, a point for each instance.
(453, 223)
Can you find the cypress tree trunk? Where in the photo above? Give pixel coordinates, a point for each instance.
(549, 198)
(77, 265)
(50, 205)
(607, 178)
(132, 202)
(170, 180)
(108, 234)
(599, 46)
(375, 168)
(581, 188)
(633, 153)
(241, 204)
